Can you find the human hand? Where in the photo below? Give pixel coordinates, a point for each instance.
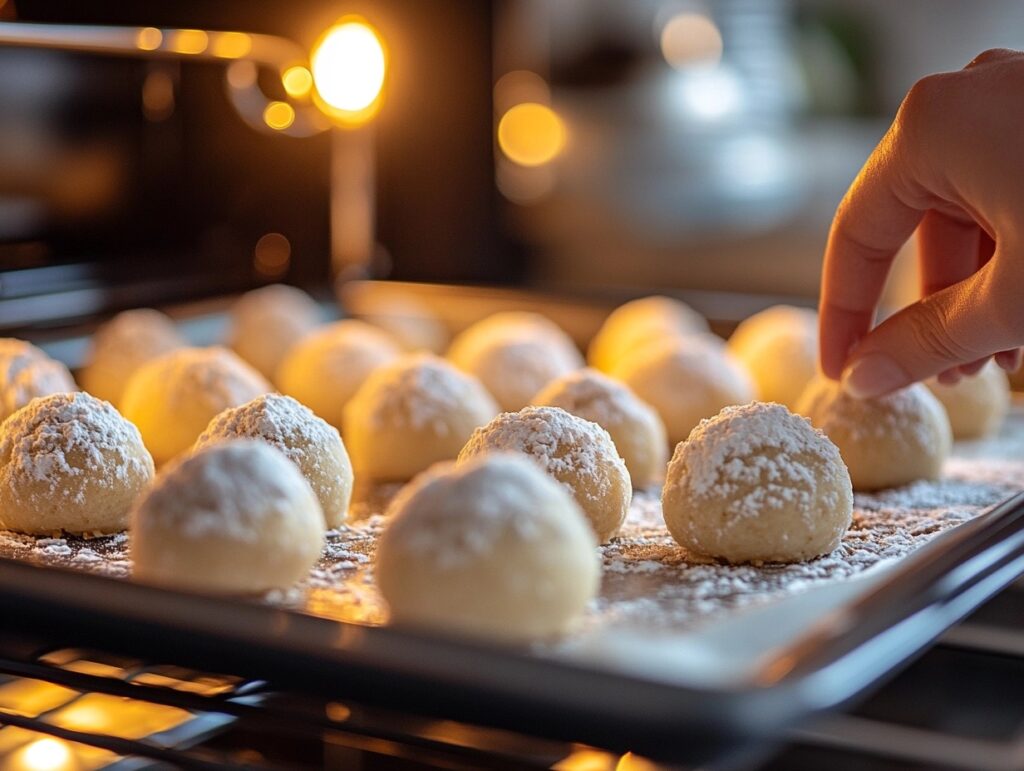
(951, 166)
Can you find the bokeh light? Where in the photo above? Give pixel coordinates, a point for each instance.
(149, 39)
(531, 134)
(279, 115)
(691, 39)
(297, 81)
(189, 41)
(231, 45)
(349, 66)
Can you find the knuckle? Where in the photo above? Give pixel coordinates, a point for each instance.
(991, 55)
(922, 100)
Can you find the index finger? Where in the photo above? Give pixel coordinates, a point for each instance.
(876, 217)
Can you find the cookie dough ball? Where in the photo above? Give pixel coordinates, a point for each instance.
(779, 348)
(639, 322)
(411, 323)
(326, 369)
(492, 549)
(174, 397)
(514, 355)
(235, 518)
(757, 483)
(309, 442)
(635, 428)
(886, 442)
(124, 344)
(412, 413)
(685, 380)
(69, 462)
(576, 452)
(265, 323)
(976, 405)
(26, 373)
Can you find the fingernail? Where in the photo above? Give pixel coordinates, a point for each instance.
(873, 375)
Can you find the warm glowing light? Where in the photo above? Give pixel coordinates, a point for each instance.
(691, 39)
(231, 45)
(117, 716)
(531, 134)
(149, 39)
(297, 81)
(631, 762)
(520, 86)
(586, 759)
(46, 755)
(349, 66)
(189, 41)
(279, 115)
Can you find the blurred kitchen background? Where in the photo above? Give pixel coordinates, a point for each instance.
(593, 146)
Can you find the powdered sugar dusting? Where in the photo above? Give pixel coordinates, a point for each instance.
(649, 581)
(421, 392)
(67, 436)
(762, 447)
(227, 490)
(566, 446)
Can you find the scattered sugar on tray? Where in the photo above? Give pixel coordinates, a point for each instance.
(649, 581)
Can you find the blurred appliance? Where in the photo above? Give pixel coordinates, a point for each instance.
(142, 176)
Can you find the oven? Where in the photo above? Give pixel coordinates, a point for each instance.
(475, 157)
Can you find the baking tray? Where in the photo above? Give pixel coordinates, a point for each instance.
(680, 660)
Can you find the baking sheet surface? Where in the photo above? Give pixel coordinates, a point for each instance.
(649, 581)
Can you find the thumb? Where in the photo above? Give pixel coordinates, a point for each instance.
(960, 324)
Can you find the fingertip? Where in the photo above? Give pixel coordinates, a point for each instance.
(950, 377)
(874, 374)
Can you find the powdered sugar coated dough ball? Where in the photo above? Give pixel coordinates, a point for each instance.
(412, 413)
(757, 483)
(124, 344)
(493, 548)
(779, 348)
(976, 406)
(685, 380)
(70, 462)
(175, 396)
(635, 428)
(326, 369)
(886, 442)
(514, 355)
(235, 518)
(639, 322)
(309, 442)
(574, 451)
(26, 372)
(265, 323)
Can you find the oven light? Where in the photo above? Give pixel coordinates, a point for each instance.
(349, 67)
(45, 755)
